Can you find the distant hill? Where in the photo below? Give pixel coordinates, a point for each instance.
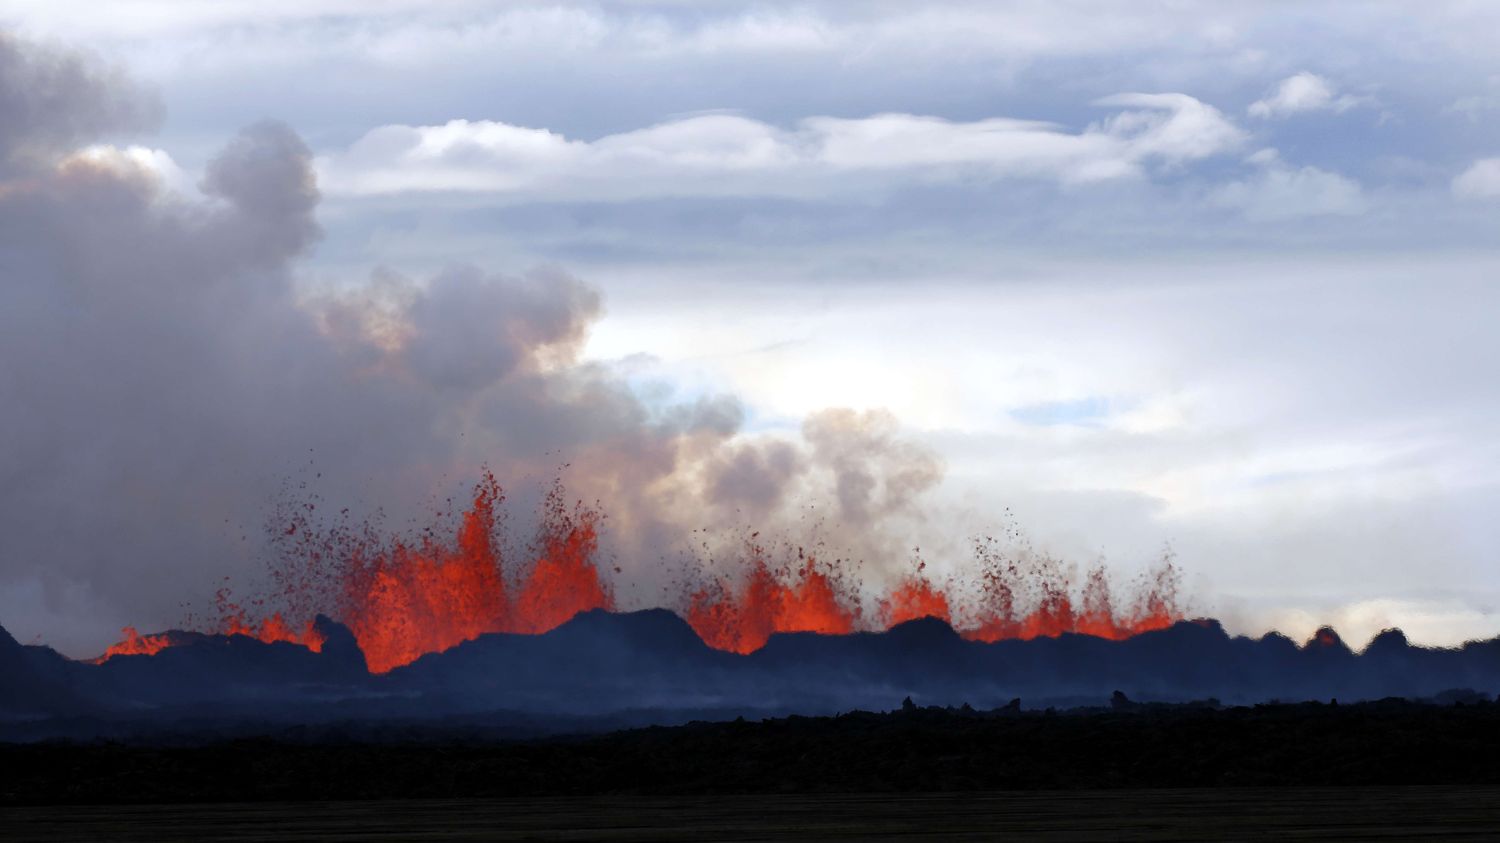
(641, 667)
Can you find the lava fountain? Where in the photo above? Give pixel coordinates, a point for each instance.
(405, 597)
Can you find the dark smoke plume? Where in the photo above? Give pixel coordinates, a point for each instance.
(164, 374)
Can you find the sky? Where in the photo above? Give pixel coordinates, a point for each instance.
(1127, 277)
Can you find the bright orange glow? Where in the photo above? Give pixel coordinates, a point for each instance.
(403, 602)
(403, 599)
(803, 599)
(273, 629)
(915, 598)
(269, 631)
(132, 643)
(564, 580)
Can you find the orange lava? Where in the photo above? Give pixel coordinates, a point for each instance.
(564, 580)
(402, 602)
(1325, 637)
(915, 598)
(741, 620)
(133, 643)
(274, 629)
(268, 631)
(405, 598)
(1053, 612)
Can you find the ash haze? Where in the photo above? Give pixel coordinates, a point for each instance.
(1218, 277)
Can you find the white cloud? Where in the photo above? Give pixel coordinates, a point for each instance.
(1278, 191)
(1266, 433)
(1301, 93)
(1480, 181)
(1175, 127)
(143, 162)
(1262, 416)
(655, 27)
(1475, 106)
(724, 154)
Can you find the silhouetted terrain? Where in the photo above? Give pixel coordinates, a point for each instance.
(1343, 814)
(603, 671)
(514, 737)
(1126, 745)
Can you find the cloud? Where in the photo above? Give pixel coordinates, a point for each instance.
(153, 165)
(1480, 181)
(650, 28)
(1171, 127)
(877, 474)
(51, 98)
(1301, 93)
(447, 365)
(1475, 106)
(754, 477)
(462, 330)
(164, 376)
(1278, 191)
(723, 154)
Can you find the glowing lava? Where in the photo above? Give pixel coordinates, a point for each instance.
(802, 599)
(404, 598)
(915, 598)
(268, 631)
(135, 644)
(403, 601)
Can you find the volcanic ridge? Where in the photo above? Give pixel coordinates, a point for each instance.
(603, 670)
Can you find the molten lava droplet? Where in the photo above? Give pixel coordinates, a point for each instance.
(403, 599)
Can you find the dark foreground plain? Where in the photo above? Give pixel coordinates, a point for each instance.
(1401, 813)
(915, 750)
(600, 670)
(1391, 769)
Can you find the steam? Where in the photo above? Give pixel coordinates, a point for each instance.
(51, 100)
(165, 373)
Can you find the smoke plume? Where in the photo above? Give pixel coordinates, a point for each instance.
(165, 373)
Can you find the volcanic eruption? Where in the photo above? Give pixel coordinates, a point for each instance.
(403, 598)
